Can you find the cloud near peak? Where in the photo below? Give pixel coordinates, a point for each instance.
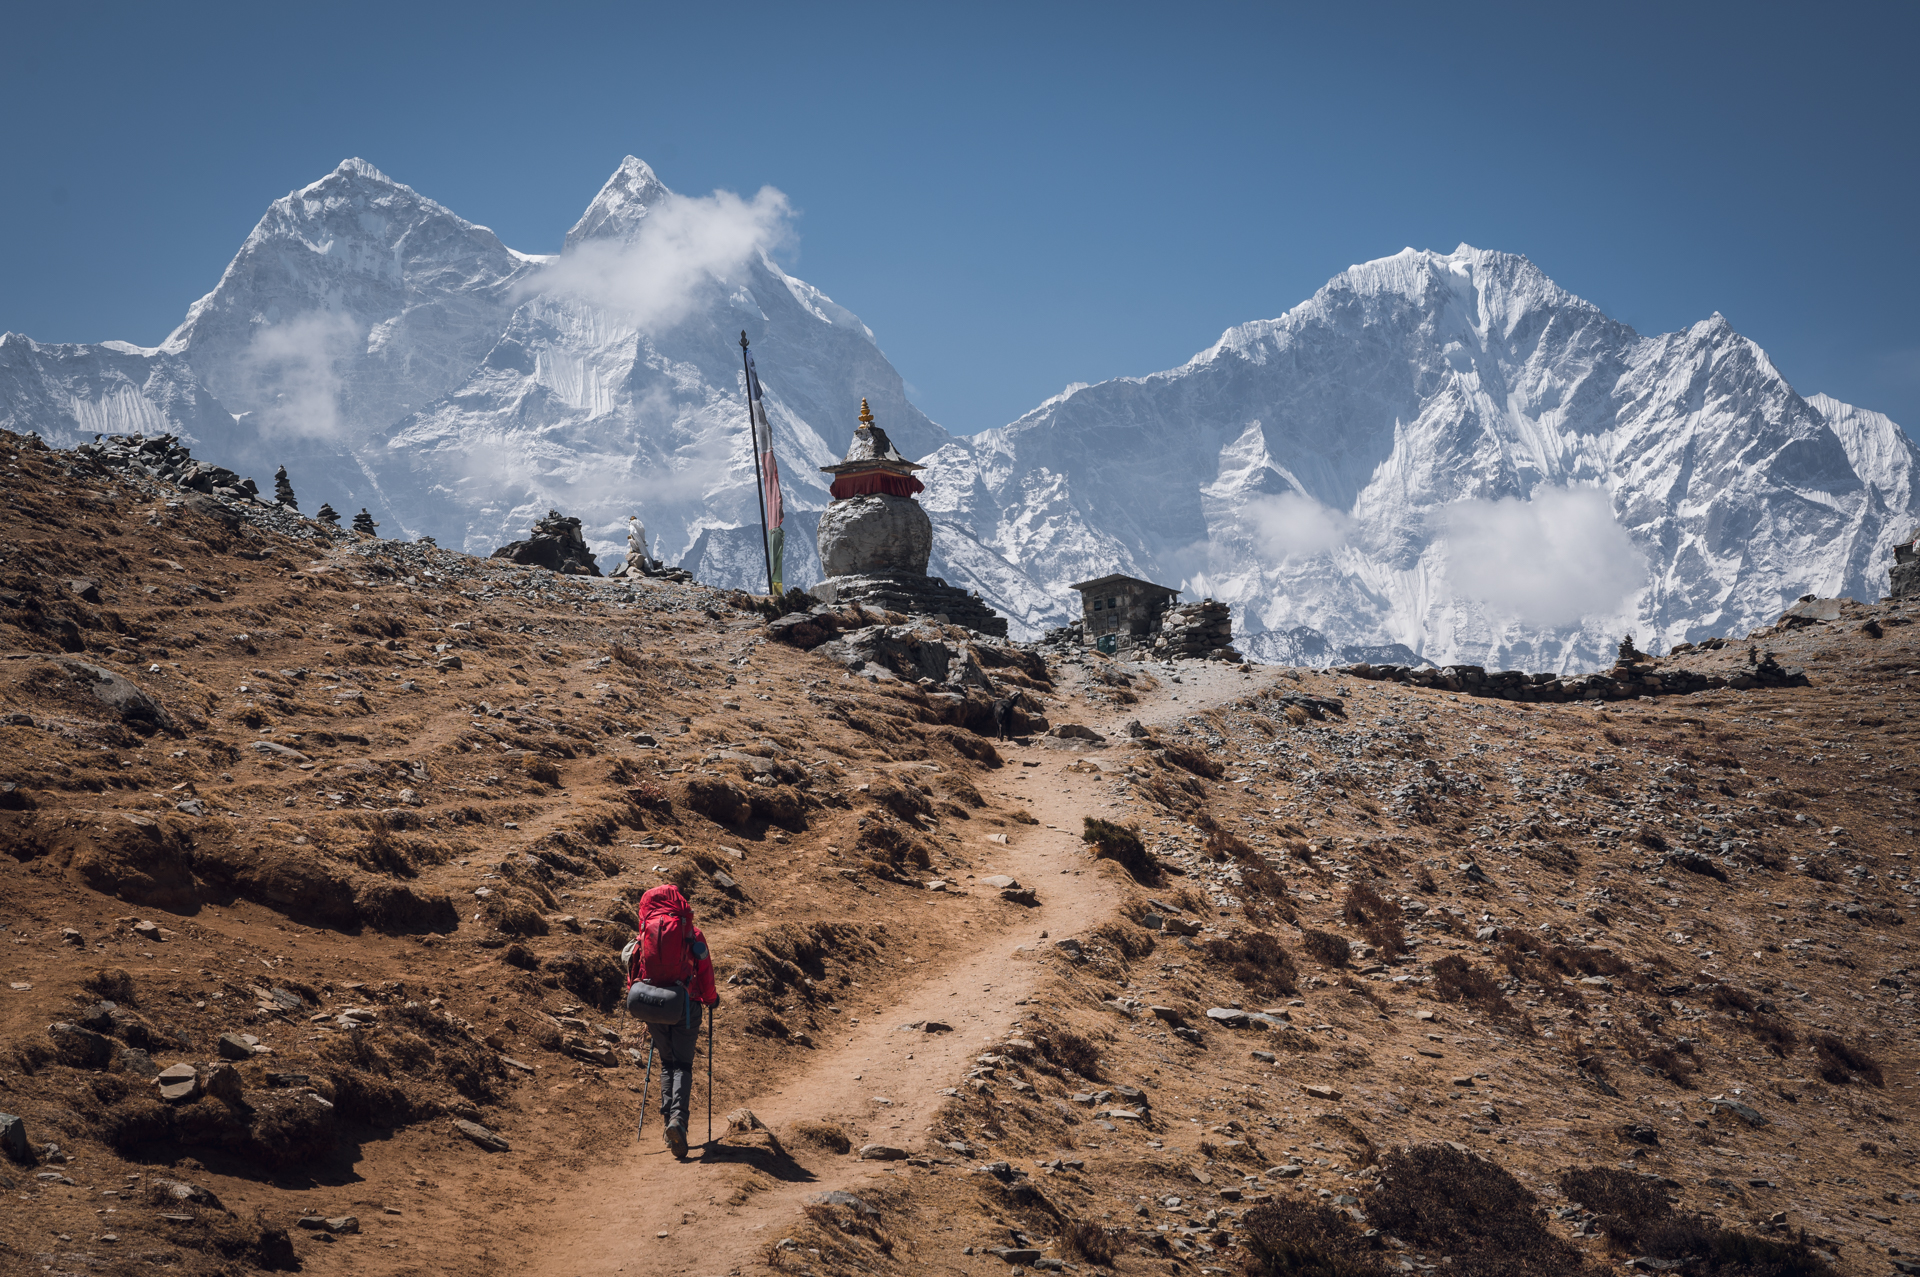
(664, 269)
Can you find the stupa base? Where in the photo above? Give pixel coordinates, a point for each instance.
(917, 595)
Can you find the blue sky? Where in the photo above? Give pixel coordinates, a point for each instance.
(1015, 198)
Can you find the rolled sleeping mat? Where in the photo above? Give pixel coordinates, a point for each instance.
(652, 1004)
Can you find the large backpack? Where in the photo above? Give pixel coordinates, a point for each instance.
(660, 954)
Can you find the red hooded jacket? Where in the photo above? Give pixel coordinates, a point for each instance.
(696, 963)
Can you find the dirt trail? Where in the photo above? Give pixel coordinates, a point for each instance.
(584, 1235)
(617, 1227)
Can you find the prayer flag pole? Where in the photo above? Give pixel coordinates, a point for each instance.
(753, 441)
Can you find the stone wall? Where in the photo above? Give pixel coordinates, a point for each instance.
(1622, 682)
(1197, 630)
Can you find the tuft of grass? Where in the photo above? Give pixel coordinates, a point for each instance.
(1121, 844)
(1289, 1238)
(1774, 1032)
(1199, 762)
(1625, 1202)
(1089, 1241)
(1456, 980)
(1324, 947)
(111, 983)
(1257, 960)
(821, 1135)
(1070, 1050)
(1132, 942)
(1445, 1200)
(1377, 919)
(1842, 1062)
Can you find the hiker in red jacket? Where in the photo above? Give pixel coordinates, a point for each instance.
(669, 984)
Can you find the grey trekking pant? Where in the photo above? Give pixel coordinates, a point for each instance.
(676, 1044)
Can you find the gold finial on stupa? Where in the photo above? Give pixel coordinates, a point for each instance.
(866, 414)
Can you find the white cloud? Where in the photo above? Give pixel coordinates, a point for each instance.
(1549, 560)
(1294, 526)
(659, 275)
(292, 370)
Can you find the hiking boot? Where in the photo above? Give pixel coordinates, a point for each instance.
(677, 1141)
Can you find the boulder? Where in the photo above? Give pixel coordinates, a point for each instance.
(181, 1190)
(13, 1138)
(1746, 1113)
(840, 1197)
(133, 707)
(234, 1047)
(178, 1083)
(556, 545)
(223, 1083)
(80, 1048)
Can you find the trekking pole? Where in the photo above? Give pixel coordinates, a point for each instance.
(644, 1087)
(710, 1011)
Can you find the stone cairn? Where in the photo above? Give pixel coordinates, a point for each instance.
(556, 545)
(328, 515)
(363, 523)
(165, 457)
(875, 540)
(1904, 580)
(1196, 630)
(283, 489)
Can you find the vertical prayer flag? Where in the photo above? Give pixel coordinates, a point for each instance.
(773, 512)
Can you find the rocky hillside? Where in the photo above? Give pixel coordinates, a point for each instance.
(321, 848)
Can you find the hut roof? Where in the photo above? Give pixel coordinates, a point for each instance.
(1117, 578)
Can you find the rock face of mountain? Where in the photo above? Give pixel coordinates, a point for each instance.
(1441, 455)
(1447, 455)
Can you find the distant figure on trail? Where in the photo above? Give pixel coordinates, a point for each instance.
(669, 985)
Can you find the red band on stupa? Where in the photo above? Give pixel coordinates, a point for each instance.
(869, 482)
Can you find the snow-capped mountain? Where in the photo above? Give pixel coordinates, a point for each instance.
(1442, 455)
(394, 355)
(1448, 455)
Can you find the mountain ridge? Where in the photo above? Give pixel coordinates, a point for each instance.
(1364, 472)
(1405, 391)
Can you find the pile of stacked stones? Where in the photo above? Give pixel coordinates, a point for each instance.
(165, 457)
(1072, 634)
(1203, 629)
(1904, 578)
(556, 545)
(1624, 681)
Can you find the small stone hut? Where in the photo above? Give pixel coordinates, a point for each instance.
(1122, 605)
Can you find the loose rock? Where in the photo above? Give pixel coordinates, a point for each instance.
(489, 1140)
